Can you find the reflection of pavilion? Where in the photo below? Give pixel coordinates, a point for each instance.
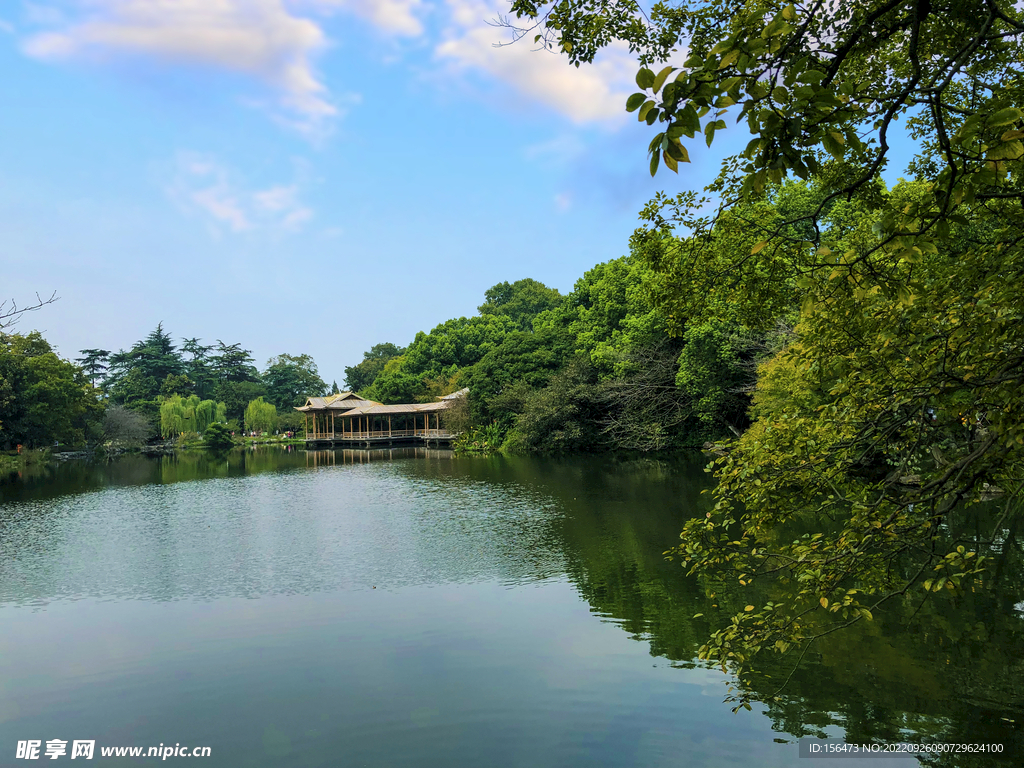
(347, 418)
(338, 457)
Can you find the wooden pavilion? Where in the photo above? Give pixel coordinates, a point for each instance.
(349, 419)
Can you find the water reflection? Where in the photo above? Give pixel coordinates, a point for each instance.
(270, 522)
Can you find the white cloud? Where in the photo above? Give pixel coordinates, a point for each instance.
(202, 185)
(258, 38)
(282, 202)
(399, 17)
(594, 92)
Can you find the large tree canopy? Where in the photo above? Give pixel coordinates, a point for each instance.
(361, 376)
(521, 301)
(896, 405)
(290, 379)
(43, 399)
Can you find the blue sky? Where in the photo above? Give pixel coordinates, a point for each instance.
(301, 176)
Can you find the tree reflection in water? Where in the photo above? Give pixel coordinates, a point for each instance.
(947, 669)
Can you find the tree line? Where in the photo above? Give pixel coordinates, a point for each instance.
(156, 388)
(602, 368)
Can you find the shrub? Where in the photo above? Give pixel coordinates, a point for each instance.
(218, 436)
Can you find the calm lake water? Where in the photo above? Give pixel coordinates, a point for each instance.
(412, 608)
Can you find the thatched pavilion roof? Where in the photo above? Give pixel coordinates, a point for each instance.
(351, 404)
(341, 402)
(376, 409)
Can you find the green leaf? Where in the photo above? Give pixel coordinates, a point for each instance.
(729, 58)
(645, 78)
(832, 146)
(789, 13)
(1009, 151)
(709, 133)
(633, 102)
(678, 151)
(689, 118)
(655, 156)
(660, 78)
(644, 109)
(1004, 117)
(759, 247)
(670, 162)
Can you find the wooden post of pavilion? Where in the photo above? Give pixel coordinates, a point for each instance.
(332, 425)
(389, 425)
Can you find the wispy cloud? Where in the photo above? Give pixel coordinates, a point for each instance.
(258, 38)
(594, 92)
(36, 13)
(202, 185)
(399, 17)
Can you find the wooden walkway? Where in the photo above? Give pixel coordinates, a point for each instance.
(379, 438)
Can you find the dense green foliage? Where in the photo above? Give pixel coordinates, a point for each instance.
(260, 416)
(520, 301)
(594, 370)
(43, 399)
(894, 406)
(155, 369)
(218, 437)
(361, 376)
(180, 415)
(156, 388)
(290, 379)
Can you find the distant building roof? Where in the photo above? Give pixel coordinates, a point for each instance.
(351, 404)
(343, 401)
(376, 409)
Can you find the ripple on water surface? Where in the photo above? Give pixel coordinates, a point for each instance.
(292, 533)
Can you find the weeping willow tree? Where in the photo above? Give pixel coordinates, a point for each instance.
(205, 412)
(189, 414)
(260, 416)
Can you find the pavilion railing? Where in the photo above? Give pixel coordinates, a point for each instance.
(379, 434)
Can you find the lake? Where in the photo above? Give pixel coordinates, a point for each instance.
(413, 608)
